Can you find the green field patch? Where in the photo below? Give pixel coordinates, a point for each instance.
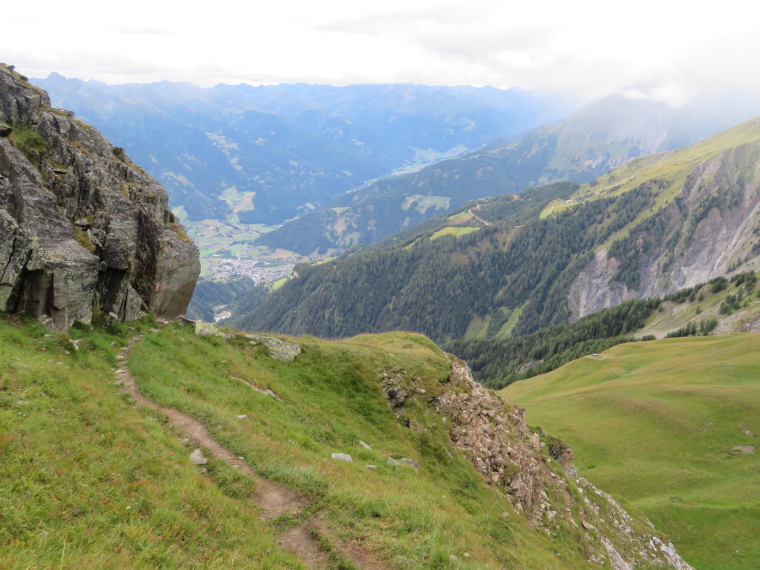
(555, 206)
(461, 218)
(655, 422)
(422, 203)
(236, 200)
(477, 327)
(455, 231)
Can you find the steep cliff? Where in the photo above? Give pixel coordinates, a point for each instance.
(709, 227)
(533, 470)
(83, 230)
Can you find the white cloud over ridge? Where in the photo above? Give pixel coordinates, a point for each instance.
(590, 46)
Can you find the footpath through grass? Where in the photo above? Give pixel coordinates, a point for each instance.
(656, 423)
(88, 481)
(91, 481)
(328, 400)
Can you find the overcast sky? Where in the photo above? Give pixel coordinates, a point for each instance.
(590, 46)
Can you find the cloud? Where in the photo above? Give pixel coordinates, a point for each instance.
(143, 31)
(474, 43)
(673, 93)
(405, 20)
(590, 46)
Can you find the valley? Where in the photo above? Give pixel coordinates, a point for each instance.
(649, 228)
(361, 402)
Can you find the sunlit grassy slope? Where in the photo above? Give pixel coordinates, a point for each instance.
(655, 422)
(91, 481)
(329, 400)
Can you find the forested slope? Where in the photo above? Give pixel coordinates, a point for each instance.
(649, 228)
(437, 284)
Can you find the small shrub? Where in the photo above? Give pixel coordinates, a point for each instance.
(718, 284)
(28, 142)
(83, 239)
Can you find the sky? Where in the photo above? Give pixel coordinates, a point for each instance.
(660, 49)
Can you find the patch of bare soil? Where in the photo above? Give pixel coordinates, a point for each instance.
(300, 540)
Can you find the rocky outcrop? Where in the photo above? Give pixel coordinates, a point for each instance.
(278, 348)
(83, 231)
(711, 228)
(535, 471)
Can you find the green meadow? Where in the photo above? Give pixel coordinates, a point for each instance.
(656, 424)
(92, 481)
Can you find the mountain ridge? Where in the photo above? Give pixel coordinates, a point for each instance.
(590, 142)
(346, 135)
(543, 272)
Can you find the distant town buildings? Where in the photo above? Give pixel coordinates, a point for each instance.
(226, 268)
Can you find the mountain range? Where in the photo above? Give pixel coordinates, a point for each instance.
(262, 155)
(600, 137)
(517, 263)
(178, 444)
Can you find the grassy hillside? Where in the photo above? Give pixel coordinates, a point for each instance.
(719, 306)
(91, 480)
(656, 422)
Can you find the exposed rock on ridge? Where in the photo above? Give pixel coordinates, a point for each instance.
(83, 231)
(493, 435)
(709, 230)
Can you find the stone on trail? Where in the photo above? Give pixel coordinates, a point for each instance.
(198, 458)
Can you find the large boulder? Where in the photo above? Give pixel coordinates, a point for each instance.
(83, 230)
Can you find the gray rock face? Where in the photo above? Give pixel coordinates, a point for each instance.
(278, 348)
(83, 231)
(492, 434)
(710, 230)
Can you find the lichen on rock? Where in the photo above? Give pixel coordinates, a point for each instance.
(278, 348)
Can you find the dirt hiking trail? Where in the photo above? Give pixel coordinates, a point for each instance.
(272, 499)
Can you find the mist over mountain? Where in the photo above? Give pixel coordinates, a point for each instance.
(265, 154)
(592, 141)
